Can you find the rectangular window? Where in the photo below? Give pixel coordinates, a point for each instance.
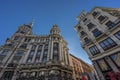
(107, 44)
(96, 32)
(31, 53)
(101, 18)
(87, 40)
(82, 33)
(19, 53)
(90, 26)
(4, 52)
(110, 24)
(94, 50)
(117, 34)
(95, 14)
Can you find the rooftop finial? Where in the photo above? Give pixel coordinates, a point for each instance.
(31, 23)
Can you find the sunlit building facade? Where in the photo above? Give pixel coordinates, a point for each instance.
(81, 69)
(99, 32)
(26, 56)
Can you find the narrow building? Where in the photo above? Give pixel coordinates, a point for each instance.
(26, 56)
(99, 32)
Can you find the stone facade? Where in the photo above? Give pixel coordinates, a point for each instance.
(26, 56)
(99, 32)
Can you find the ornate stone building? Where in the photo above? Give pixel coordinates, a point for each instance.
(26, 56)
(99, 32)
(81, 69)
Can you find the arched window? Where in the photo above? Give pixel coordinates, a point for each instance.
(34, 46)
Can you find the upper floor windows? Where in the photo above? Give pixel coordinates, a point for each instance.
(95, 14)
(34, 47)
(107, 44)
(46, 46)
(90, 26)
(23, 46)
(16, 38)
(96, 32)
(102, 18)
(40, 46)
(117, 34)
(27, 40)
(4, 52)
(82, 33)
(110, 24)
(86, 40)
(85, 20)
(19, 53)
(94, 50)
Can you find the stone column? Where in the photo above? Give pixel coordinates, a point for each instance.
(51, 56)
(114, 38)
(100, 75)
(26, 56)
(49, 53)
(33, 59)
(42, 53)
(111, 64)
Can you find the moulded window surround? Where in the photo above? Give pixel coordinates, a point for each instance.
(96, 32)
(95, 14)
(117, 34)
(102, 18)
(110, 24)
(94, 50)
(31, 53)
(90, 26)
(86, 40)
(82, 33)
(107, 44)
(79, 27)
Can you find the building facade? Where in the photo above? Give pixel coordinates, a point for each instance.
(99, 32)
(81, 70)
(26, 56)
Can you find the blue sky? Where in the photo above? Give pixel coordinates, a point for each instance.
(46, 13)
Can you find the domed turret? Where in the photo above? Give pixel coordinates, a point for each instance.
(55, 30)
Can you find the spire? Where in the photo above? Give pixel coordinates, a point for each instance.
(31, 23)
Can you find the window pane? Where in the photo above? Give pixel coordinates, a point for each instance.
(117, 35)
(116, 58)
(96, 32)
(107, 43)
